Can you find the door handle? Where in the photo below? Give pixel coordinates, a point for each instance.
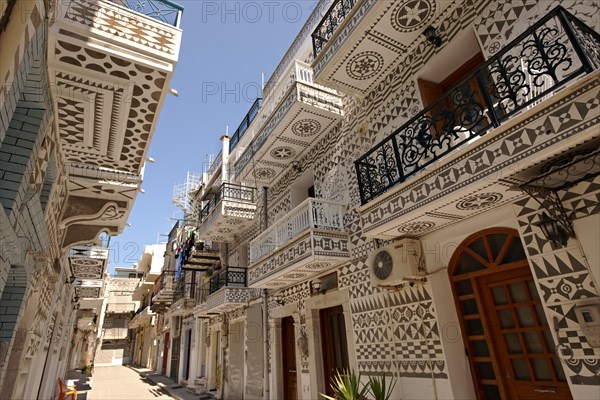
(545, 389)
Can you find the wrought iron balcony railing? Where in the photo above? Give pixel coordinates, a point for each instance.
(164, 281)
(230, 276)
(245, 124)
(231, 192)
(331, 20)
(184, 290)
(551, 53)
(161, 10)
(310, 214)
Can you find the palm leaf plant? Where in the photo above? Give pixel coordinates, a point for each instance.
(379, 388)
(346, 386)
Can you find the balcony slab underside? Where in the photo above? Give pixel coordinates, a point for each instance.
(484, 174)
(143, 318)
(228, 219)
(182, 307)
(369, 42)
(304, 116)
(201, 260)
(224, 300)
(88, 262)
(164, 296)
(312, 252)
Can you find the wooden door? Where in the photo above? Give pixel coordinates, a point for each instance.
(335, 346)
(288, 342)
(165, 354)
(507, 338)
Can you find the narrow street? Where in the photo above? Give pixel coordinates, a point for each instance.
(118, 382)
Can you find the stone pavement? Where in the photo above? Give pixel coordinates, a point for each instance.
(123, 383)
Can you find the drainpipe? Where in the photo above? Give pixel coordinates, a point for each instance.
(266, 389)
(264, 221)
(225, 159)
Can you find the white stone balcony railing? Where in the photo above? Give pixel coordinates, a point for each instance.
(120, 307)
(310, 214)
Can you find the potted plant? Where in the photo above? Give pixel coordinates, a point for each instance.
(346, 386)
(379, 388)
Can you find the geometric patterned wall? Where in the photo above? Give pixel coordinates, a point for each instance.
(564, 279)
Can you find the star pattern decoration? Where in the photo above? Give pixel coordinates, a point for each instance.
(283, 153)
(411, 15)
(364, 65)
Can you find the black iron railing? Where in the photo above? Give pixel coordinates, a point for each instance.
(229, 276)
(184, 290)
(551, 53)
(162, 10)
(228, 191)
(245, 124)
(331, 20)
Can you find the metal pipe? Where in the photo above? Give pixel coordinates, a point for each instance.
(264, 223)
(266, 388)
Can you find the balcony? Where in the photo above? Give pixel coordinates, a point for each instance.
(120, 308)
(183, 298)
(358, 42)
(308, 240)
(110, 64)
(163, 292)
(296, 114)
(202, 256)
(88, 261)
(505, 111)
(162, 10)
(245, 124)
(230, 211)
(89, 289)
(225, 291)
(143, 317)
(115, 333)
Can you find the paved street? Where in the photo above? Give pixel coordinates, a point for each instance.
(117, 382)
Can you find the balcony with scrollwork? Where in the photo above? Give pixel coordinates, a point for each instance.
(296, 113)
(534, 99)
(306, 241)
(164, 291)
(110, 65)
(88, 263)
(231, 210)
(225, 291)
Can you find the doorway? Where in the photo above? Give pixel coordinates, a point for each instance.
(334, 344)
(165, 357)
(288, 341)
(505, 331)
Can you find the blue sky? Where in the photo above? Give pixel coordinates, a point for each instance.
(225, 47)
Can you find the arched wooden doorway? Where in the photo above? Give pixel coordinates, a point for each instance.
(507, 338)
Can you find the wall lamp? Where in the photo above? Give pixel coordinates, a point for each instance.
(278, 299)
(296, 166)
(317, 286)
(432, 36)
(553, 231)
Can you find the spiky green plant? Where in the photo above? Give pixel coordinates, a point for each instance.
(346, 386)
(379, 388)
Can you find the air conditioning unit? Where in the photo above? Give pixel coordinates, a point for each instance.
(396, 263)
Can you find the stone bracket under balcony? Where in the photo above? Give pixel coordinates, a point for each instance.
(226, 299)
(304, 115)
(310, 253)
